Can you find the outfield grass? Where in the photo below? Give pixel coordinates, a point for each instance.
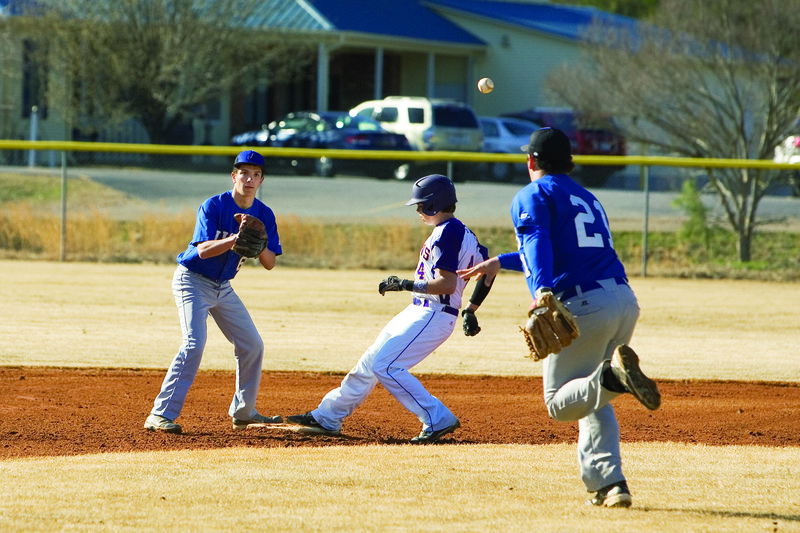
(676, 487)
(123, 315)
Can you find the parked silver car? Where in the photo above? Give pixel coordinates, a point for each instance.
(503, 135)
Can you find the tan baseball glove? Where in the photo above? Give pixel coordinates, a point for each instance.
(550, 327)
(252, 237)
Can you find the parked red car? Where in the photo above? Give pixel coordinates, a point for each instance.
(587, 138)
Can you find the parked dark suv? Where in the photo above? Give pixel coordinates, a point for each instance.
(588, 137)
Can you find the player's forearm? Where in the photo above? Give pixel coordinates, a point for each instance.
(509, 261)
(267, 259)
(216, 247)
(482, 287)
(537, 252)
(441, 286)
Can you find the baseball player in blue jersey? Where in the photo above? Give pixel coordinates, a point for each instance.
(420, 328)
(565, 247)
(201, 286)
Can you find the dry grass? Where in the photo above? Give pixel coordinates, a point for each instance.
(400, 488)
(123, 315)
(92, 234)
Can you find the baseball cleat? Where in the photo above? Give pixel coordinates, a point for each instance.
(428, 437)
(615, 495)
(255, 421)
(625, 366)
(308, 420)
(160, 423)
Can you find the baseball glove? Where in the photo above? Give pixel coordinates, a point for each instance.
(470, 323)
(252, 237)
(393, 283)
(550, 327)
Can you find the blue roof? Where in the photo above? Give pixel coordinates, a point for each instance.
(15, 7)
(565, 21)
(397, 18)
(411, 19)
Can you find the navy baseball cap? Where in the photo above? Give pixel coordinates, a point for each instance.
(549, 144)
(250, 157)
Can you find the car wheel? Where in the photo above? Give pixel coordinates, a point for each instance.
(401, 172)
(324, 167)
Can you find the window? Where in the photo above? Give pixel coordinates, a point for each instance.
(366, 112)
(34, 81)
(490, 129)
(520, 130)
(386, 114)
(454, 117)
(416, 115)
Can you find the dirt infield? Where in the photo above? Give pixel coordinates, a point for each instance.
(49, 412)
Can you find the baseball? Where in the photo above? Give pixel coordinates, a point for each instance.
(485, 85)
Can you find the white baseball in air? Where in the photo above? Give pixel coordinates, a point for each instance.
(485, 85)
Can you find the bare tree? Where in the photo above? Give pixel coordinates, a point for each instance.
(155, 60)
(9, 76)
(702, 79)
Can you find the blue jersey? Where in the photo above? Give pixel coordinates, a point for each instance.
(563, 235)
(215, 221)
(451, 247)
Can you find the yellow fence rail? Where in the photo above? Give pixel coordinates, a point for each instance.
(77, 146)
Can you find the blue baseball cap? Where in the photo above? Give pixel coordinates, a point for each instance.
(250, 157)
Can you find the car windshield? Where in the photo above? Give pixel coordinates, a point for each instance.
(454, 117)
(520, 129)
(489, 128)
(297, 123)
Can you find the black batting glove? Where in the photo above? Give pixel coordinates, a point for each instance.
(471, 327)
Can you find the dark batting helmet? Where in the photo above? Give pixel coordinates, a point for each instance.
(434, 192)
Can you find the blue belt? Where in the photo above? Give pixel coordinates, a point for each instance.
(427, 303)
(586, 287)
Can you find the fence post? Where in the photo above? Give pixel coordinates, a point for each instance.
(645, 177)
(34, 134)
(63, 206)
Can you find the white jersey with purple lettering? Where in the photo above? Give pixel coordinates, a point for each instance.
(451, 247)
(410, 337)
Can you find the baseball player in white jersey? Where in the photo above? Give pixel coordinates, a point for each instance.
(201, 286)
(420, 328)
(565, 247)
